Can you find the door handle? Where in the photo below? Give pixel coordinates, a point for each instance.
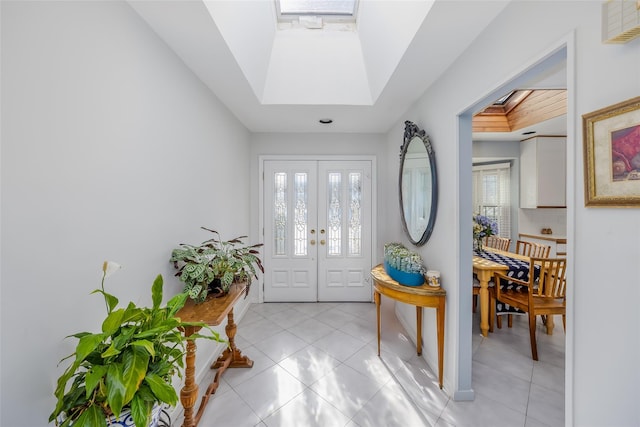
(312, 242)
(322, 231)
(313, 231)
(322, 242)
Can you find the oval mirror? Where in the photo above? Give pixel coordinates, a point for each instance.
(418, 185)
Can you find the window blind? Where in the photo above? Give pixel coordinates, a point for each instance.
(491, 194)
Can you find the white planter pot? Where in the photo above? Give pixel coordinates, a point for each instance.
(126, 420)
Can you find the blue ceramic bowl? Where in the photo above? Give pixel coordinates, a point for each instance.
(404, 278)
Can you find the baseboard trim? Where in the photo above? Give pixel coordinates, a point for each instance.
(464, 395)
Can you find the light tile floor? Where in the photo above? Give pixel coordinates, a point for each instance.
(315, 364)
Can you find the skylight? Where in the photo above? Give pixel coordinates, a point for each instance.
(503, 100)
(329, 10)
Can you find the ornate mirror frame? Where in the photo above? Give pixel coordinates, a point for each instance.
(418, 184)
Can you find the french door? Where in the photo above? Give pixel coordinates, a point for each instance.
(317, 230)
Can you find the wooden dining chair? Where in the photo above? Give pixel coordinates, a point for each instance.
(532, 249)
(497, 242)
(543, 297)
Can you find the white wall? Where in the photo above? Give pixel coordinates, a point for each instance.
(111, 150)
(603, 338)
(533, 220)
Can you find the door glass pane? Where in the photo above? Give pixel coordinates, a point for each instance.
(355, 214)
(301, 222)
(280, 213)
(334, 215)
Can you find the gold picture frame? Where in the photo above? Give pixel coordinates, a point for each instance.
(612, 155)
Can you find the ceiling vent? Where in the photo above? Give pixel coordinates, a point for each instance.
(620, 21)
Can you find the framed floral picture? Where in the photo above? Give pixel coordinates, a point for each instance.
(612, 155)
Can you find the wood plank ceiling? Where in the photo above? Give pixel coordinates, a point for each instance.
(519, 109)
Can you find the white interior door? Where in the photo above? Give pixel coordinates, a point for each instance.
(290, 211)
(317, 230)
(344, 220)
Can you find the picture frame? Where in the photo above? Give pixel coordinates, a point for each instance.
(611, 138)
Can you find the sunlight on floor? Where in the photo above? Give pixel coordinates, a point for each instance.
(317, 365)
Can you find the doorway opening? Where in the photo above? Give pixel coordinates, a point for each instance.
(561, 56)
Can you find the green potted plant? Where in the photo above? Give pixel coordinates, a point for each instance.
(215, 264)
(128, 365)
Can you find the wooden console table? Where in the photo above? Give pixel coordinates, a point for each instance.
(420, 296)
(211, 312)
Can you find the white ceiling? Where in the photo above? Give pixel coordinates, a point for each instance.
(236, 68)
(556, 126)
(553, 77)
(279, 79)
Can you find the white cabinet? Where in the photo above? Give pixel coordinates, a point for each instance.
(543, 170)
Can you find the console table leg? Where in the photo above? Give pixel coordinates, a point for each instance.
(189, 393)
(440, 327)
(232, 352)
(419, 328)
(376, 298)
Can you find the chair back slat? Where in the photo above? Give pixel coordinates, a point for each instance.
(532, 249)
(497, 242)
(552, 282)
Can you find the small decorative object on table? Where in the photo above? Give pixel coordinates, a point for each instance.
(482, 227)
(402, 265)
(433, 278)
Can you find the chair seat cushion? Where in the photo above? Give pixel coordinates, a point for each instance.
(476, 283)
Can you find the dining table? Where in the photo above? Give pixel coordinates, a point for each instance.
(484, 269)
(488, 261)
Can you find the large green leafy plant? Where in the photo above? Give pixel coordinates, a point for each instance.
(227, 261)
(130, 363)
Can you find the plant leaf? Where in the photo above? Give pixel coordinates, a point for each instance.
(111, 351)
(132, 313)
(141, 411)
(87, 344)
(61, 386)
(93, 377)
(112, 322)
(156, 292)
(163, 391)
(79, 334)
(135, 361)
(93, 416)
(147, 345)
(176, 303)
(111, 300)
(195, 291)
(116, 389)
(164, 327)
